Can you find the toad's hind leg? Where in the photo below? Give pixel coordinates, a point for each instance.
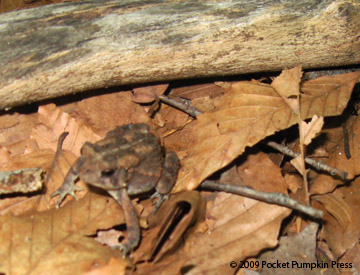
(131, 218)
(167, 180)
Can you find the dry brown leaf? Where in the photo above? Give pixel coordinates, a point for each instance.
(18, 205)
(55, 241)
(200, 95)
(194, 92)
(287, 84)
(295, 250)
(260, 173)
(311, 129)
(105, 112)
(40, 158)
(168, 118)
(298, 163)
(294, 182)
(341, 229)
(326, 183)
(53, 123)
(351, 256)
(116, 266)
(247, 113)
(148, 94)
(15, 132)
(336, 87)
(240, 227)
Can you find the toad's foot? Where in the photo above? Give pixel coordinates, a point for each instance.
(127, 247)
(161, 198)
(64, 190)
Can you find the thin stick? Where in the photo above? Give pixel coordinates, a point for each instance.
(192, 111)
(273, 198)
(318, 165)
(57, 154)
(346, 141)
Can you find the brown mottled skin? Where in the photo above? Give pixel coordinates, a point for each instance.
(128, 161)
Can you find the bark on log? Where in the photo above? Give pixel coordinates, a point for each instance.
(71, 47)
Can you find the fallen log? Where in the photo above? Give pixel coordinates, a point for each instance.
(67, 48)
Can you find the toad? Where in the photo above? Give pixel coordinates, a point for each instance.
(129, 161)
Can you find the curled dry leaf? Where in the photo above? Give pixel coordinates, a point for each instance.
(53, 122)
(168, 227)
(249, 112)
(341, 229)
(240, 227)
(56, 241)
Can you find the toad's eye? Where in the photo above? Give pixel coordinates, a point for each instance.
(107, 173)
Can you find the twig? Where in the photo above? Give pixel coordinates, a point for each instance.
(346, 140)
(315, 163)
(57, 154)
(273, 198)
(192, 111)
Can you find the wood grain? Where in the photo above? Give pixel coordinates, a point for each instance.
(67, 48)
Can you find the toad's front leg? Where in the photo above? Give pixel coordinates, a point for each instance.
(69, 187)
(131, 218)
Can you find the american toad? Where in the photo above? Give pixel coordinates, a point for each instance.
(128, 161)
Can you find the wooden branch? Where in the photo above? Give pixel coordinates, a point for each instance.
(71, 47)
(273, 198)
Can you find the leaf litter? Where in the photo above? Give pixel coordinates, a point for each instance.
(56, 239)
(247, 113)
(236, 115)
